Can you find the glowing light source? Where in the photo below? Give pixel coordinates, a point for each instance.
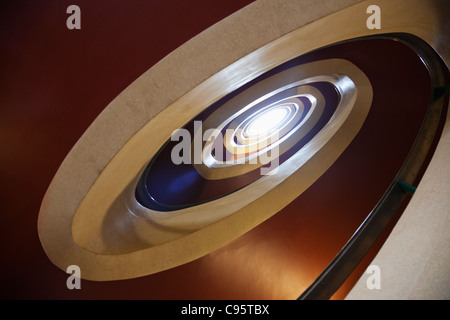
(267, 121)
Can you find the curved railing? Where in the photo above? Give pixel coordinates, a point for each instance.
(345, 262)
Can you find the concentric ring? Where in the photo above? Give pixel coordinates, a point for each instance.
(248, 181)
(258, 128)
(311, 108)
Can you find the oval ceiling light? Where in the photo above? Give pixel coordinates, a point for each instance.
(268, 121)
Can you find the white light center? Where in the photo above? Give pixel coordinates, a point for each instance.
(267, 121)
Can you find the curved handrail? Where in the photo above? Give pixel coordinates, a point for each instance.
(345, 262)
